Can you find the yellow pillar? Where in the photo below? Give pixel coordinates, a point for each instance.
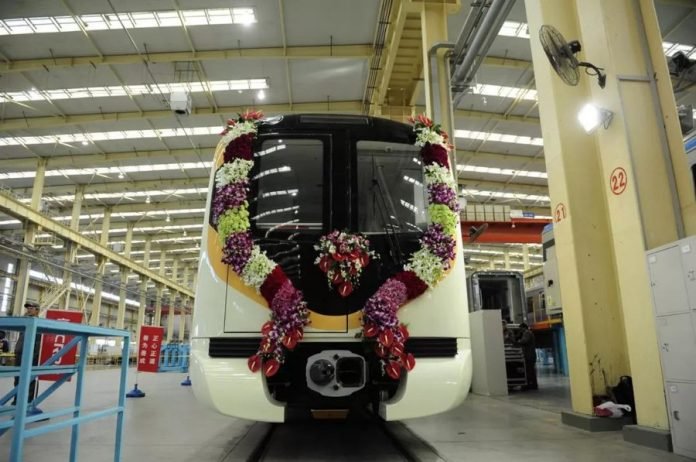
(507, 259)
(525, 256)
(592, 316)
(101, 266)
(24, 269)
(641, 170)
(647, 214)
(158, 305)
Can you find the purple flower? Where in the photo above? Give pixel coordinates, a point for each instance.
(228, 196)
(380, 309)
(439, 243)
(440, 193)
(237, 250)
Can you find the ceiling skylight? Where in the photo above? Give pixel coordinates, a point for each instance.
(501, 171)
(134, 20)
(504, 195)
(132, 90)
(499, 137)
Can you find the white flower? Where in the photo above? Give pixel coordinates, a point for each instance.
(257, 268)
(239, 129)
(426, 135)
(438, 174)
(427, 266)
(232, 172)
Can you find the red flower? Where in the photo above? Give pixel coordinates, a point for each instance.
(345, 289)
(241, 147)
(370, 330)
(424, 120)
(272, 283)
(251, 115)
(414, 285)
(393, 369)
(435, 154)
(270, 367)
(254, 363)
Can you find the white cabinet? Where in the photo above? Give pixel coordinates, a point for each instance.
(682, 416)
(673, 282)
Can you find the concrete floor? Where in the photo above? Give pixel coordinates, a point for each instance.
(169, 425)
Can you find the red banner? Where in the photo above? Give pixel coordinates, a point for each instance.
(52, 343)
(149, 348)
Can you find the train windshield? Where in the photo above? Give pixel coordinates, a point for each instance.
(391, 195)
(289, 185)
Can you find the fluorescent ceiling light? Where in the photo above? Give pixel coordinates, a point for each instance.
(499, 137)
(134, 20)
(501, 171)
(110, 136)
(110, 170)
(133, 90)
(125, 195)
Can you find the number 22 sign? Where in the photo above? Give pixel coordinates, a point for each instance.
(618, 181)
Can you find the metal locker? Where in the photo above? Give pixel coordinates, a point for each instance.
(667, 280)
(677, 339)
(688, 251)
(682, 404)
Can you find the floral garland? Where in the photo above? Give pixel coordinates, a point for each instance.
(230, 213)
(289, 313)
(428, 265)
(342, 256)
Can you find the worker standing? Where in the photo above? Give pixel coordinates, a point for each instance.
(32, 310)
(526, 341)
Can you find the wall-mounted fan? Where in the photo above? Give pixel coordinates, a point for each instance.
(561, 54)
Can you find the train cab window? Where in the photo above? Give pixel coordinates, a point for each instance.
(391, 195)
(289, 185)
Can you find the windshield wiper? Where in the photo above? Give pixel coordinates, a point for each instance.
(379, 184)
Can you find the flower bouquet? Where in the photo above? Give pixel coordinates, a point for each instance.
(343, 256)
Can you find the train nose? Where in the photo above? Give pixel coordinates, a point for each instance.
(336, 372)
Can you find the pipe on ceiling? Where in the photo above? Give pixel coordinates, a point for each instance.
(481, 40)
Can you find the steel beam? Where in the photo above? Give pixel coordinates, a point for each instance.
(488, 185)
(299, 52)
(78, 119)
(16, 209)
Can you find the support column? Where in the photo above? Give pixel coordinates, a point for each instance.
(101, 266)
(507, 259)
(185, 280)
(158, 305)
(121, 314)
(627, 185)
(525, 256)
(24, 267)
(71, 251)
(656, 204)
(143, 289)
(170, 315)
(182, 319)
(172, 303)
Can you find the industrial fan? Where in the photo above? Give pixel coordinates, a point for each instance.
(561, 54)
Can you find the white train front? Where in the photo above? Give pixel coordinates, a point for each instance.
(313, 174)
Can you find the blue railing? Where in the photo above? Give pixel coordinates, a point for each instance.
(16, 416)
(174, 357)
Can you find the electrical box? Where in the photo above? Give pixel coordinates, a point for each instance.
(180, 102)
(672, 271)
(552, 284)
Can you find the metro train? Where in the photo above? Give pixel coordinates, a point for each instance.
(331, 276)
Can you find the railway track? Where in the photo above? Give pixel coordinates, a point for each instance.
(366, 440)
